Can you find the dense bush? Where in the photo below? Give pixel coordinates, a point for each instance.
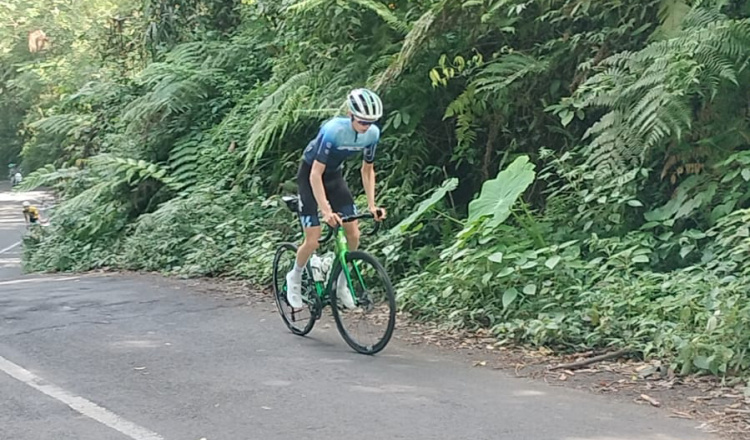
(566, 173)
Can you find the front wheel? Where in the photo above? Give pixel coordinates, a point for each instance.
(299, 321)
(371, 302)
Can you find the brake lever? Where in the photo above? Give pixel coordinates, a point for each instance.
(377, 223)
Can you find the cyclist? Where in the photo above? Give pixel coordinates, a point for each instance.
(321, 184)
(31, 214)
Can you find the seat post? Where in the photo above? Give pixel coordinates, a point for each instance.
(301, 226)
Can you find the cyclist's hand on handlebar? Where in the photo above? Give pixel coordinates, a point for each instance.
(331, 218)
(379, 213)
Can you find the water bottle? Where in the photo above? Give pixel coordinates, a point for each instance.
(317, 268)
(326, 263)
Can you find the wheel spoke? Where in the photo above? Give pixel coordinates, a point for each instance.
(299, 321)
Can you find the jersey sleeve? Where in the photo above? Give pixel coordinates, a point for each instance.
(369, 153)
(326, 142)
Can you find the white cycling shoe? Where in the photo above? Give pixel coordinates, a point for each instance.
(294, 290)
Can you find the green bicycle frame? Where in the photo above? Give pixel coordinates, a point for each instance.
(341, 248)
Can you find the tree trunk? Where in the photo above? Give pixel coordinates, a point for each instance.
(489, 149)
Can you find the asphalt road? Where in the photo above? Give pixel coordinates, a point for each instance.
(102, 357)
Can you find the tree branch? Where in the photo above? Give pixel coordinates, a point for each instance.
(592, 360)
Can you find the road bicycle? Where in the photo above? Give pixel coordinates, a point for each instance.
(367, 282)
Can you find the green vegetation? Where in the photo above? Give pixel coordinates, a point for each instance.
(567, 173)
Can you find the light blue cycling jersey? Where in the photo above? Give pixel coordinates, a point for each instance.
(337, 140)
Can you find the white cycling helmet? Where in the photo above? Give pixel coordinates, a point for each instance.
(26, 204)
(365, 104)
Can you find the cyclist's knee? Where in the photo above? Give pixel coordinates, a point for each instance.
(310, 244)
(352, 234)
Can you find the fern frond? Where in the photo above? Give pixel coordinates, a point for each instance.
(177, 85)
(606, 122)
(677, 115)
(504, 71)
(130, 170)
(619, 59)
(645, 110)
(274, 114)
(463, 108)
(648, 92)
(82, 202)
(657, 131)
(412, 42)
(379, 8)
(102, 91)
(176, 208)
(62, 125)
(306, 5)
(701, 17)
(380, 64)
(47, 175)
(384, 13)
(183, 162)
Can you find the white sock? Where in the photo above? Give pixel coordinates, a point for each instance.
(297, 271)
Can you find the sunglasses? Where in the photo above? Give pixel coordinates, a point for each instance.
(361, 122)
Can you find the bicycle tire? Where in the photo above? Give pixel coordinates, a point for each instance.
(280, 296)
(391, 300)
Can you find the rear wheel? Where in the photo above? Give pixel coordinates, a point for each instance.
(299, 321)
(374, 303)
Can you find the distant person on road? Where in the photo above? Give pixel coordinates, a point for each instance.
(31, 214)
